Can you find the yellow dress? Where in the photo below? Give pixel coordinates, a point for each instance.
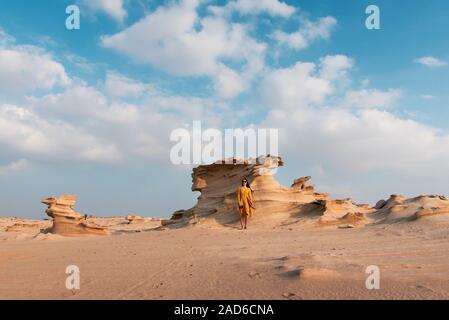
(245, 201)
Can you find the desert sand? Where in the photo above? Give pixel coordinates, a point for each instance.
(300, 244)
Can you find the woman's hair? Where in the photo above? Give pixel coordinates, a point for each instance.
(247, 182)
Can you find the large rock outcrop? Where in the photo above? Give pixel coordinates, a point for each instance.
(274, 202)
(68, 222)
(277, 205)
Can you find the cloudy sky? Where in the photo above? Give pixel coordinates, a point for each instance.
(90, 111)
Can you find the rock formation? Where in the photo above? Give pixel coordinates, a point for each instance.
(219, 181)
(23, 225)
(68, 222)
(132, 219)
(401, 209)
(343, 211)
(301, 184)
(277, 205)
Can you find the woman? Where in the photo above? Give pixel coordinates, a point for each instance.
(245, 202)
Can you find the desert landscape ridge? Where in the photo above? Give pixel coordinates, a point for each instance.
(300, 244)
(276, 204)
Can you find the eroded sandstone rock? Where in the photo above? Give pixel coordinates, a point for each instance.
(219, 181)
(68, 222)
(401, 209)
(277, 205)
(132, 219)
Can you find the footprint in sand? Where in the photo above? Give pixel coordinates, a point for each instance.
(304, 256)
(301, 272)
(422, 288)
(156, 286)
(288, 295)
(292, 274)
(254, 274)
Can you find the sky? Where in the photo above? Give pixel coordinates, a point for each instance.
(90, 111)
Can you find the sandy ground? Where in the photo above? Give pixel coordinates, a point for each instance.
(210, 262)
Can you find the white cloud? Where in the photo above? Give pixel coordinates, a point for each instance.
(428, 97)
(254, 7)
(431, 62)
(5, 38)
(85, 124)
(82, 63)
(310, 31)
(27, 133)
(166, 38)
(229, 83)
(25, 68)
(308, 84)
(77, 102)
(174, 39)
(15, 166)
(323, 124)
(346, 142)
(371, 98)
(365, 83)
(348, 135)
(334, 67)
(298, 86)
(113, 8)
(295, 40)
(118, 85)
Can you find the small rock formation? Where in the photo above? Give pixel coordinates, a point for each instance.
(132, 218)
(23, 225)
(301, 184)
(399, 208)
(343, 211)
(68, 222)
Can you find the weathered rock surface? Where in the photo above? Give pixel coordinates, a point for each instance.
(277, 205)
(23, 225)
(68, 222)
(132, 219)
(401, 209)
(273, 202)
(335, 212)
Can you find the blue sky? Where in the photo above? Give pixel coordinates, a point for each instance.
(90, 111)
